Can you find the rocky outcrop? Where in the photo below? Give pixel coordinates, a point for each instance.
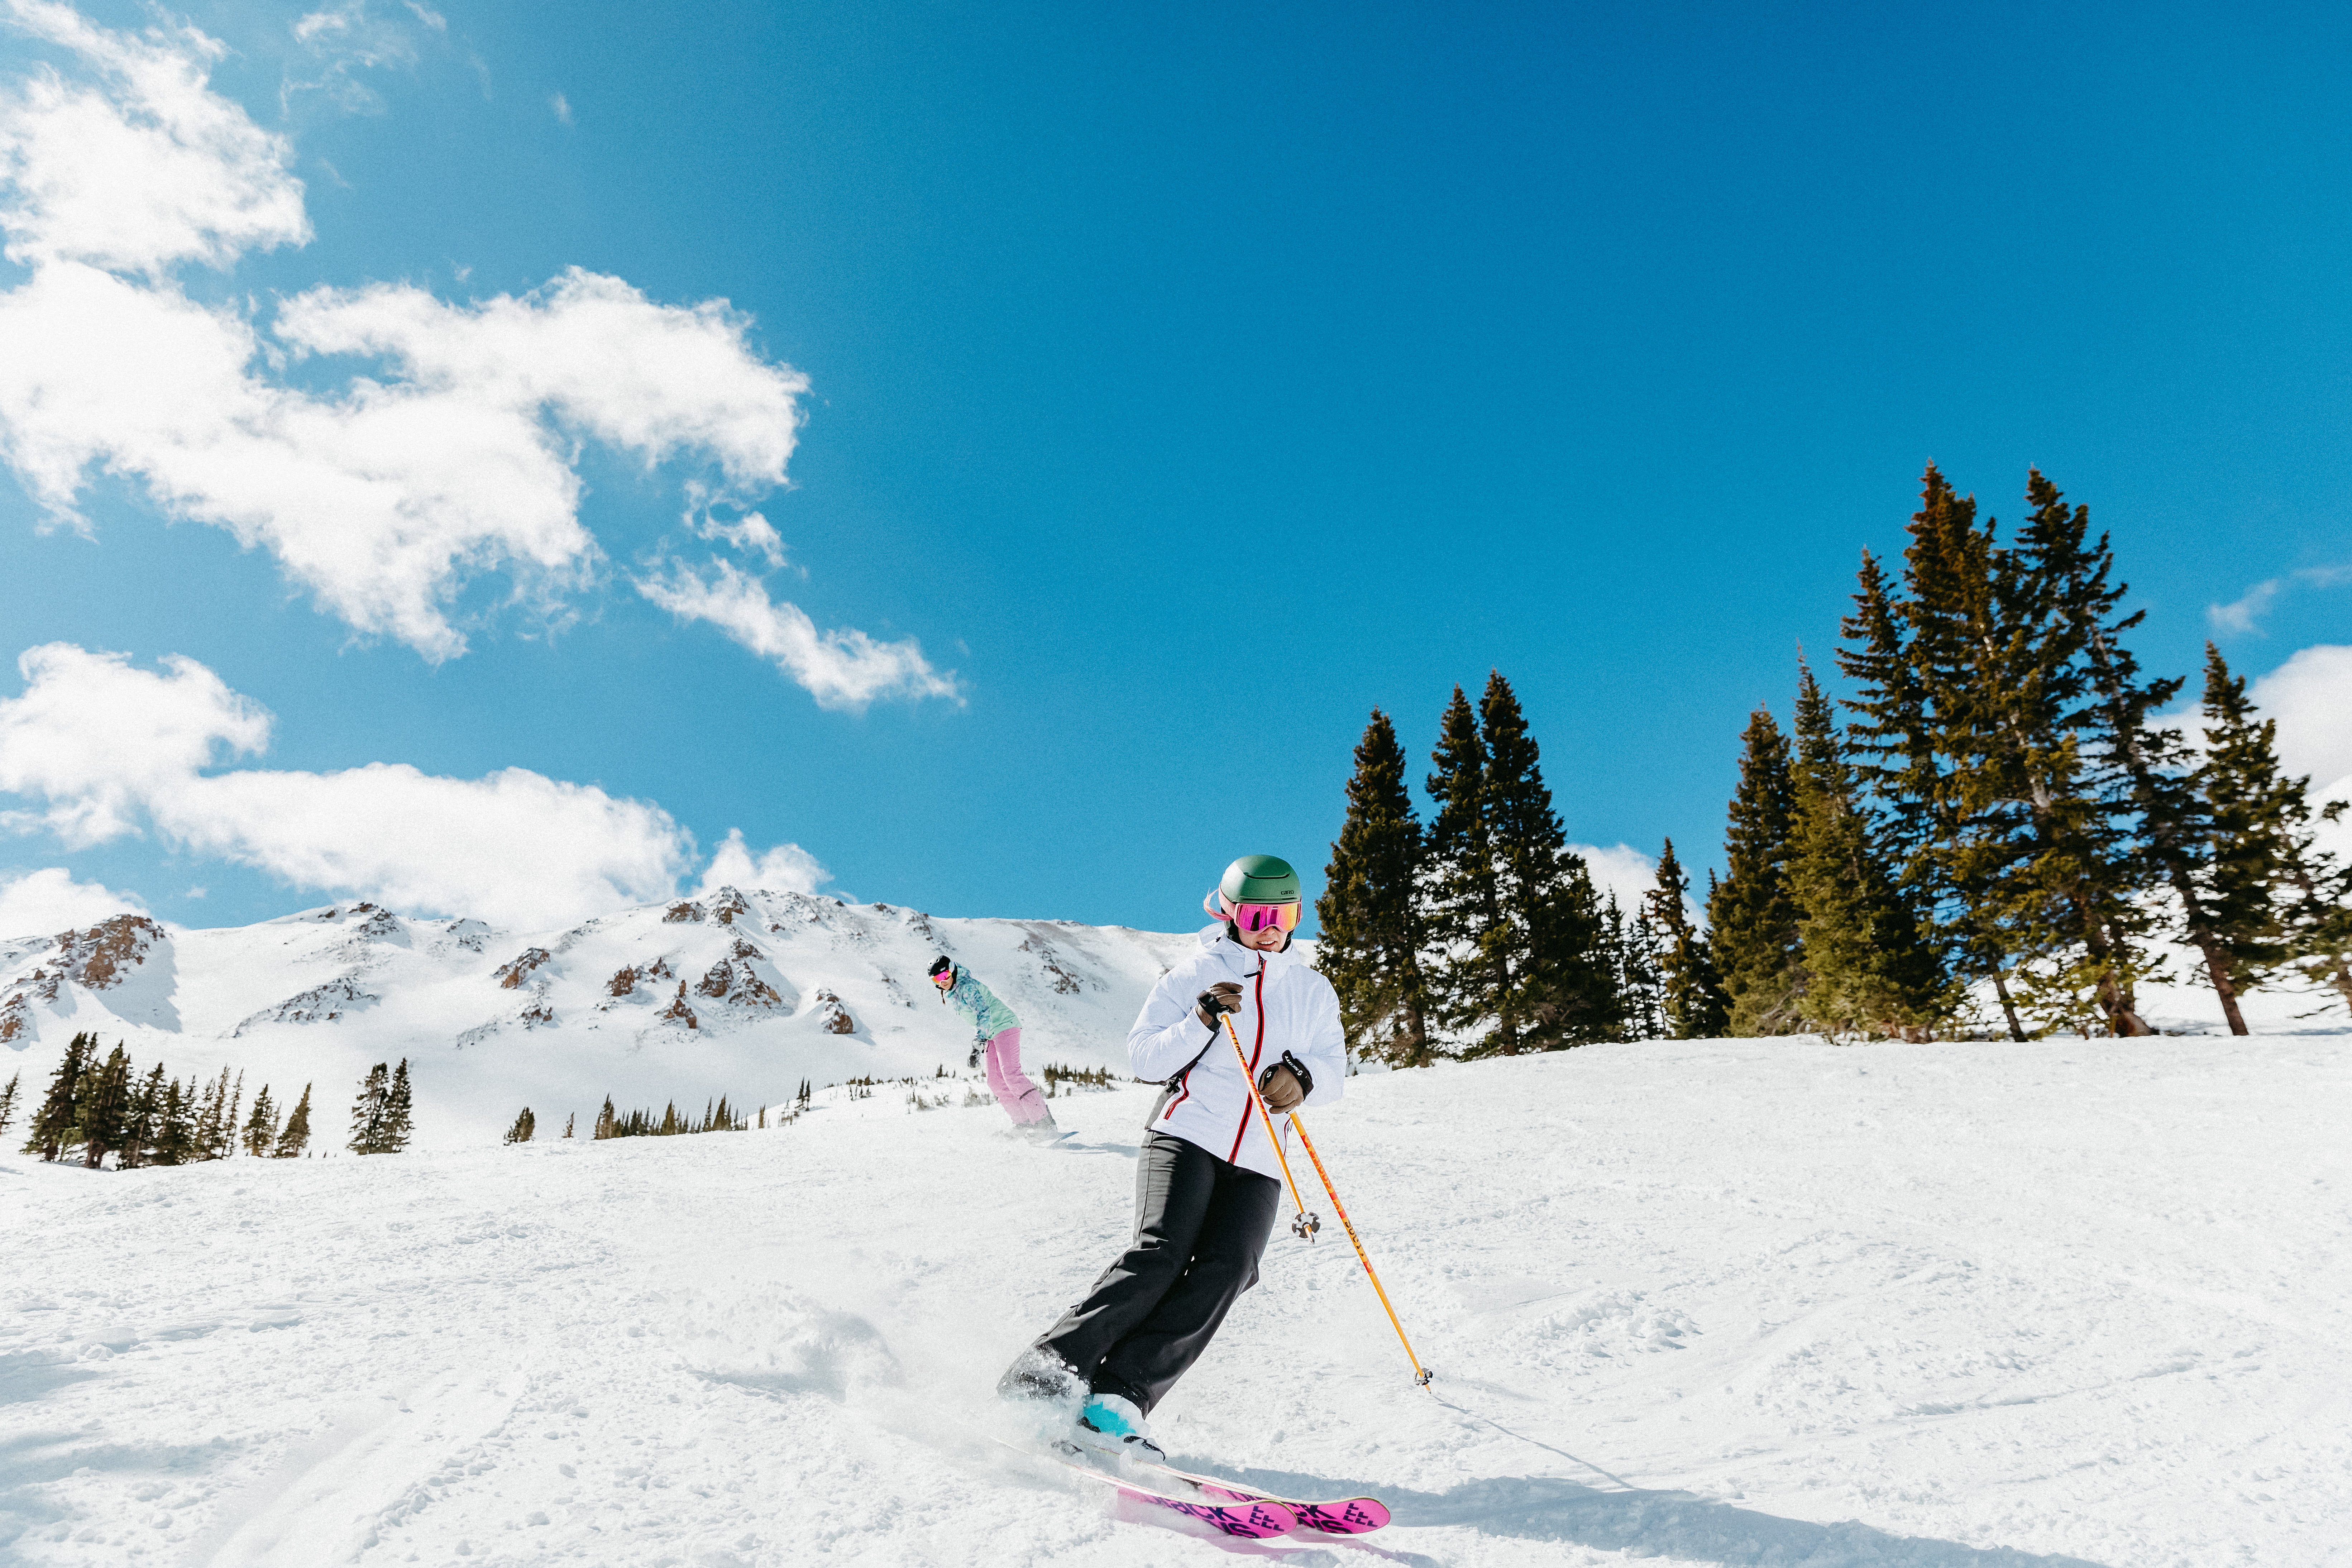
(727, 905)
(679, 1012)
(515, 970)
(830, 1014)
(683, 911)
(107, 952)
(319, 1005)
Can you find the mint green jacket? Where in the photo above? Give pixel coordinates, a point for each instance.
(979, 1003)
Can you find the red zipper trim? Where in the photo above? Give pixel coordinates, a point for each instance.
(1250, 1077)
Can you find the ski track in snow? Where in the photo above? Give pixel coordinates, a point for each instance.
(1748, 1303)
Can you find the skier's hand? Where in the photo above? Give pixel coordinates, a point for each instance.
(1286, 1084)
(1212, 1004)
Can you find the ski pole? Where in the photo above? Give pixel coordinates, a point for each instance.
(1306, 1224)
(1421, 1374)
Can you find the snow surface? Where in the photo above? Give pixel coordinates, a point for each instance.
(1747, 1302)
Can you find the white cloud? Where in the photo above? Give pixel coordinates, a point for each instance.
(104, 745)
(345, 38)
(561, 105)
(47, 901)
(2311, 697)
(447, 453)
(150, 169)
(1621, 870)
(843, 668)
(2243, 614)
(787, 867)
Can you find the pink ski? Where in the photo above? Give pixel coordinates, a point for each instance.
(1346, 1516)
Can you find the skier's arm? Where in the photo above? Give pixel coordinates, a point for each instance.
(1168, 1033)
(1326, 1047)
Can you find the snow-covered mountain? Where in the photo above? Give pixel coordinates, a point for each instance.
(742, 994)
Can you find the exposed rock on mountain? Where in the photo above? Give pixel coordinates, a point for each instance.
(831, 1015)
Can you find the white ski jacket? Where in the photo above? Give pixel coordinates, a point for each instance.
(1285, 1006)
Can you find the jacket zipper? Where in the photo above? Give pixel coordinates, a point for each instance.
(1249, 1075)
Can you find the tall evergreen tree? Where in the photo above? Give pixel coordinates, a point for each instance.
(1751, 916)
(1868, 967)
(1641, 981)
(368, 1111)
(2274, 897)
(1549, 958)
(1459, 890)
(295, 1136)
(1696, 1007)
(1976, 700)
(261, 1127)
(139, 1135)
(399, 1114)
(105, 1113)
(525, 1124)
(1370, 915)
(175, 1131)
(60, 1113)
(9, 1101)
(607, 1124)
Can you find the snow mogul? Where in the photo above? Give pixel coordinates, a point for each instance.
(999, 1032)
(1205, 1187)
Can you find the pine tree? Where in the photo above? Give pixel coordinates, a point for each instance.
(60, 1113)
(107, 1110)
(261, 1127)
(226, 1143)
(1751, 917)
(1694, 1005)
(1868, 968)
(9, 1101)
(399, 1114)
(1977, 694)
(139, 1127)
(174, 1138)
(524, 1126)
(295, 1136)
(368, 1111)
(1371, 913)
(2274, 897)
(670, 1126)
(1640, 981)
(1459, 897)
(607, 1124)
(570, 1116)
(1550, 954)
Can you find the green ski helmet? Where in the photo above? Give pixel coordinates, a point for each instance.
(1253, 879)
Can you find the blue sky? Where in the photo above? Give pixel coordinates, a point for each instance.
(1180, 382)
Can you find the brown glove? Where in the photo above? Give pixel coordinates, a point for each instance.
(1285, 1084)
(1212, 1004)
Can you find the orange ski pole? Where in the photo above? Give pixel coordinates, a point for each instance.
(1306, 1224)
(1421, 1374)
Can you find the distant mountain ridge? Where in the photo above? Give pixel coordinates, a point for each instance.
(740, 992)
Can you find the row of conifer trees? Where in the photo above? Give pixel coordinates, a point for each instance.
(98, 1106)
(2004, 810)
(1479, 934)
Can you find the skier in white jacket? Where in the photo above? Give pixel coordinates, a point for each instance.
(1207, 1185)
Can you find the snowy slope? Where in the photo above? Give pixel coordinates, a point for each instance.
(1750, 1302)
(741, 994)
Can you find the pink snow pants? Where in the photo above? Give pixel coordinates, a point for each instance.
(1014, 1091)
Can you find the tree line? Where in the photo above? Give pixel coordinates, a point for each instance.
(2000, 809)
(2005, 809)
(1480, 932)
(99, 1106)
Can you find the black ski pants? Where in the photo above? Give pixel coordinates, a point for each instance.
(1201, 1226)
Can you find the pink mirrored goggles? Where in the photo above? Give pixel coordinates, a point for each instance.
(1259, 917)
